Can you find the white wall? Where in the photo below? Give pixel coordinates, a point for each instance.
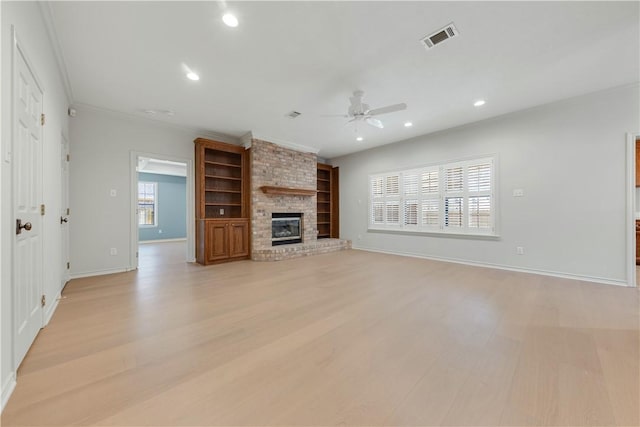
(101, 146)
(569, 157)
(27, 19)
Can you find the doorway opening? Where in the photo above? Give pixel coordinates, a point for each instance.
(633, 209)
(162, 203)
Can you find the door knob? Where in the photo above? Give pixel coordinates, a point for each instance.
(20, 226)
(63, 220)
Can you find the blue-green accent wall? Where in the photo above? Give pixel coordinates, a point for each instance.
(171, 205)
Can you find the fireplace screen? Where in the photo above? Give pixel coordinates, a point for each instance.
(286, 229)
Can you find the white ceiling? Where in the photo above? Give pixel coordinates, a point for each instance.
(310, 56)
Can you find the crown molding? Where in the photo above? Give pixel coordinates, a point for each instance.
(281, 142)
(246, 139)
(47, 16)
(197, 132)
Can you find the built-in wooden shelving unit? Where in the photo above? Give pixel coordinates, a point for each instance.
(328, 202)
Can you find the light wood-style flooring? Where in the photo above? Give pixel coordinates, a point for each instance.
(349, 338)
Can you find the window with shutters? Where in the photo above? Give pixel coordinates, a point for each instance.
(456, 197)
(147, 204)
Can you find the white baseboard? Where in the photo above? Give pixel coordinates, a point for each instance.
(99, 273)
(504, 267)
(48, 314)
(145, 242)
(7, 389)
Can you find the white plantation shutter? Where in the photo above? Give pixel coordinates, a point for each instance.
(479, 183)
(392, 185)
(453, 202)
(480, 212)
(377, 213)
(429, 182)
(454, 179)
(410, 184)
(377, 186)
(453, 212)
(411, 212)
(479, 178)
(455, 198)
(393, 213)
(431, 213)
(430, 195)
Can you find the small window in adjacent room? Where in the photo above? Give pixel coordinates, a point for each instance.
(147, 204)
(454, 197)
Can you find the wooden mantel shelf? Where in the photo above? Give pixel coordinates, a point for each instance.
(287, 191)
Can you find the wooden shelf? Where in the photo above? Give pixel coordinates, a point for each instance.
(223, 177)
(222, 164)
(287, 191)
(215, 190)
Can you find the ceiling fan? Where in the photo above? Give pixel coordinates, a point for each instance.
(360, 112)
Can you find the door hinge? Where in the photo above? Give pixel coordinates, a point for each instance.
(41, 209)
(68, 265)
(42, 119)
(67, 211)
(68, 157)
(43, 300)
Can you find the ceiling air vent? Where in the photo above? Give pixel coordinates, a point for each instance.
(293, 114)
(439, 36)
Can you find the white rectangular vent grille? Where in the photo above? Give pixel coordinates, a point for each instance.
(439, 36)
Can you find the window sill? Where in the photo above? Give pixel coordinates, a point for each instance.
(435, 234)
(147, 226)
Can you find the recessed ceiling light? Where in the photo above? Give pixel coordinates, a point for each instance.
(408, 124)
(193, 76)
(479, 103)
(230, 20)
(359, 138)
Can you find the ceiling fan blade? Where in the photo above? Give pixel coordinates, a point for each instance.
(375, 122)
(388, 109)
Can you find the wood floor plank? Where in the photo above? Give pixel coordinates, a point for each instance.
(350, 338)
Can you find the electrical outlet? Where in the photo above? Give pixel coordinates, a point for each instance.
(159, 231)
(221, 211)
(359, 236)
(520, 250)
(113, 251)
(113, 193)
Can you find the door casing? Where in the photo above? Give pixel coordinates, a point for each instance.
(190, 255)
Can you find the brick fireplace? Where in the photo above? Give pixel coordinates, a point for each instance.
(277, 166)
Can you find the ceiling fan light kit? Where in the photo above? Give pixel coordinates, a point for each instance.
(360, 112)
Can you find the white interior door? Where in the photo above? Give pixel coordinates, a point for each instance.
(64, 211)
(27, 199)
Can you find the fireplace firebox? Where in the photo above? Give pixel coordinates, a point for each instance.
(286, 228)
